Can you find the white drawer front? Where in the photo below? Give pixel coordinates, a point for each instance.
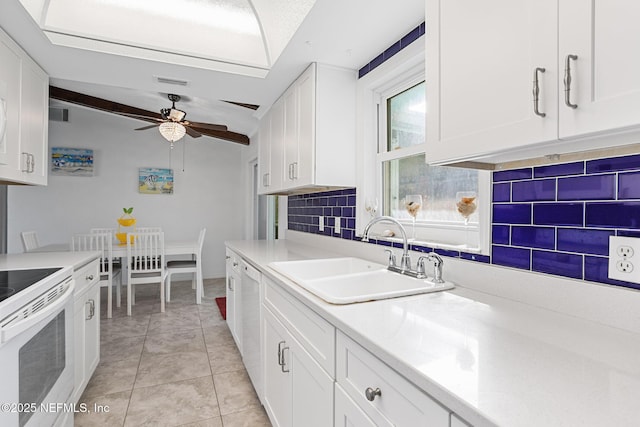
(400, 403)
(233, 261)
(315, 334)
(86, 275)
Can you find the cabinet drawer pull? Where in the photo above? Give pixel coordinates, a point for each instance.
(536, 91)
(230, 284)
(567, 81)
(89, 278)
(371, 393)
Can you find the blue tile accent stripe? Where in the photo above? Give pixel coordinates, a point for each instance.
(405, 41)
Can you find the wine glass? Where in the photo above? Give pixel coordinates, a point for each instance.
(466, 203)
(413, 204)
(371, 206)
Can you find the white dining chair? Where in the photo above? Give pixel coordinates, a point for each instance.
(145, 264)
(193, 266)
(148, 229)
(103, 243)
(29, 240)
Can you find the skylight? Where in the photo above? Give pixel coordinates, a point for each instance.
(236, 36)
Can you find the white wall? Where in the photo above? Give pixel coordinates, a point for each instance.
(208, 193)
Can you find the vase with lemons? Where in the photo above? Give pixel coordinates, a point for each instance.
(126, 222)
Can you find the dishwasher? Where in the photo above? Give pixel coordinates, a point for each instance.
(251, 346)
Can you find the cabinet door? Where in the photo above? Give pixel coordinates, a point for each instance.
(481, 59)
(348, 414)
(34, 124)
(233, 305)
(277, 146)
(277, 377)
(10, 99)
(79, 334)
(92, 330)
(290, 137)
(304, 170)
(604, 35)
(264, 154)
(312, 388)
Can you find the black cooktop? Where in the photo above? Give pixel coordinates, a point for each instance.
(14, 281)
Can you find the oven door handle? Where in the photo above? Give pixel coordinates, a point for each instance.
(12, 330)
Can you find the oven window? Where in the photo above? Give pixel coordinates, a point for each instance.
(41, 362)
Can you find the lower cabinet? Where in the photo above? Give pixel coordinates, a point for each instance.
(298, 391)
(86, 326)
(234, 297)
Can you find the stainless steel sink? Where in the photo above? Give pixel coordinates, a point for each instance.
(350, 280)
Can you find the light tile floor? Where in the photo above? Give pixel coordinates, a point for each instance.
(178, 368)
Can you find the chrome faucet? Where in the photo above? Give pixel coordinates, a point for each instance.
(405, 261)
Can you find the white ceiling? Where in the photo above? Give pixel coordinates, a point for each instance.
(347, 33)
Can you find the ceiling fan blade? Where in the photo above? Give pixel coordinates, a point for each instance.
(209, 126)
(226, 135)
(102, 104)
(243, 104)
(148, 127)
(192, 132)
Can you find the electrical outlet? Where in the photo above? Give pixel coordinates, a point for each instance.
(321, 223)
(336, 228)
(623, 263)
(624, 266)
(624, 251)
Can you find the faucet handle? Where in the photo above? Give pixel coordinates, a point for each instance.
(420, 268)
(392, 258)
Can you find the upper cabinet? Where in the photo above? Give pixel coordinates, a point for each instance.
(24, 101)
(310, 145)
(511, 80)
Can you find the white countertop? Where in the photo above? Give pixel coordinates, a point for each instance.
(46, 259)
(491, 360)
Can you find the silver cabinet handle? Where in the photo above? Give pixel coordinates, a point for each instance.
(371, 393)
(283, 364)
(92, 309)
(567, 81)
(89, 278)
(536, 92)
(230, 283)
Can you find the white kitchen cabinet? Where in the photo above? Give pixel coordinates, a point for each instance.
(298, 391)
(234, 297)
(488, 61)
(386, 397)
(86, 326)
(604, 35)
(24, 93)
(270, 150)
(313, 141)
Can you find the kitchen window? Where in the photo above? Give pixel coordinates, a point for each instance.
(439, 206)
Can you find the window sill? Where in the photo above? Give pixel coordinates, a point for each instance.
(431, 244)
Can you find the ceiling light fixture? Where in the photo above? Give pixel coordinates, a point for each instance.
(172, 131)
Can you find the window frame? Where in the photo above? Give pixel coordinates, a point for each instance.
(403, 71)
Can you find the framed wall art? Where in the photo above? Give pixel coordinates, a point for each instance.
(71, 161)
(155, 181)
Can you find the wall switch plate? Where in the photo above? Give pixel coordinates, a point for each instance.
(336, 228)
(320, 223)
(624, 258)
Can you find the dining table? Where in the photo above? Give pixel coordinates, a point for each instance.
(171, 248)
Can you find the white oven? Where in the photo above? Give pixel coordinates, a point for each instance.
(36, 351)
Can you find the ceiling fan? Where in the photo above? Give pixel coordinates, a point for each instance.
(168, 117)
(173, 125)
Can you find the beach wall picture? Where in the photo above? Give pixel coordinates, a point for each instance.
(155, 181)
(71, 161)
